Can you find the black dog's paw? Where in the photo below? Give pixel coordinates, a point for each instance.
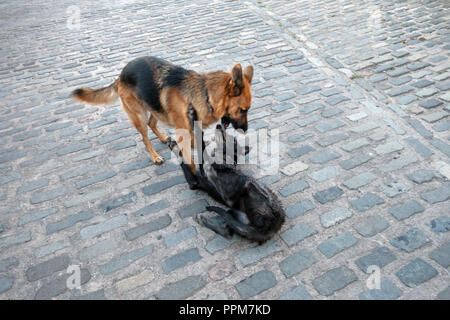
(193, 186)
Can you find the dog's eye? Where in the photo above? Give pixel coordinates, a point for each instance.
(243, 111)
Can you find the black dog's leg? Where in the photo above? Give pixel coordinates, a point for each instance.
(240, 228)
(190, 177)
(216, 226)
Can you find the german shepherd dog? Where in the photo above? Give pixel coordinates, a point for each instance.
(149, 85)
(255, 211)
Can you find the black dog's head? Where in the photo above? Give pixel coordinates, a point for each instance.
(263, 208)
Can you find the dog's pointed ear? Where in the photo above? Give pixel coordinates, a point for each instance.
(248, 73)
(236, 79)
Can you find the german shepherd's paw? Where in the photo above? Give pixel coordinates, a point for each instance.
(157, 159)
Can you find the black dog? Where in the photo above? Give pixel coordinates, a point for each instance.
(255, 211)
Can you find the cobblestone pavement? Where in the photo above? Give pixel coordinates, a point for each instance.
(359, 90)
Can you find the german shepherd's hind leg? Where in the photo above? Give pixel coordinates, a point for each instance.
(152, 122)
(139, 119)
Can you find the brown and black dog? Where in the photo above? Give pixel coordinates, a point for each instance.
(152, 85)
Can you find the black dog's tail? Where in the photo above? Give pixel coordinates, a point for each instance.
(239, 227)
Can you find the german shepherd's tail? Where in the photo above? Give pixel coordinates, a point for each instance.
(105, 95)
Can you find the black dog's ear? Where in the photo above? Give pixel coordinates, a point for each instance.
(248, 73)
(236, 79)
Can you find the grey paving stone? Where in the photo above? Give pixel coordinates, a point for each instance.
(442, 255)
(58, 286)
(298, 293)
(68, 222)
(325, 156)
(301, 151)
(427, 134)
(332, 139)
(366, 202)
(51, 248)
(163, 185)
(74, 147)
(398, 91)
(33, 185)
(435, 116)
(388, 147)
(411, 240)
(422, 83)
(387, 291)
(416, 272)
(406, 99)
(125, 260)
(44, 269)
(254, 254)
(143, 229)
(440, 224)
(444, 294)
(12, 156)
(355, 144)
(419, 147)
(312, 108)
(95, 179)
(173, 239)
(334, 245)
(380, 257)
(9, 178)
(400, 80)
(181, 289)
(98, 249)
(180, 260)
(355, 161)
(155, 207)
(297, 262)
(422, 175)
(190, 210)
(220, 243)
(35, 215)
(307, 121)
(14, 239)
(297, 233)
(324, 174)
(442, 146)
(39, 197)
(371, 226)
(118, 202)
(8, 263)
(97, 229)
(294, 187)
(6, 283)
(299, 208)
(430, 103)
(328, 195)
(405, 159)
(360, 180)
(437, 195)
(307, 89)
(329, 125)
(335, 216)
(95, 295)
(334, 280)
(255, 284)
(407, 209)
